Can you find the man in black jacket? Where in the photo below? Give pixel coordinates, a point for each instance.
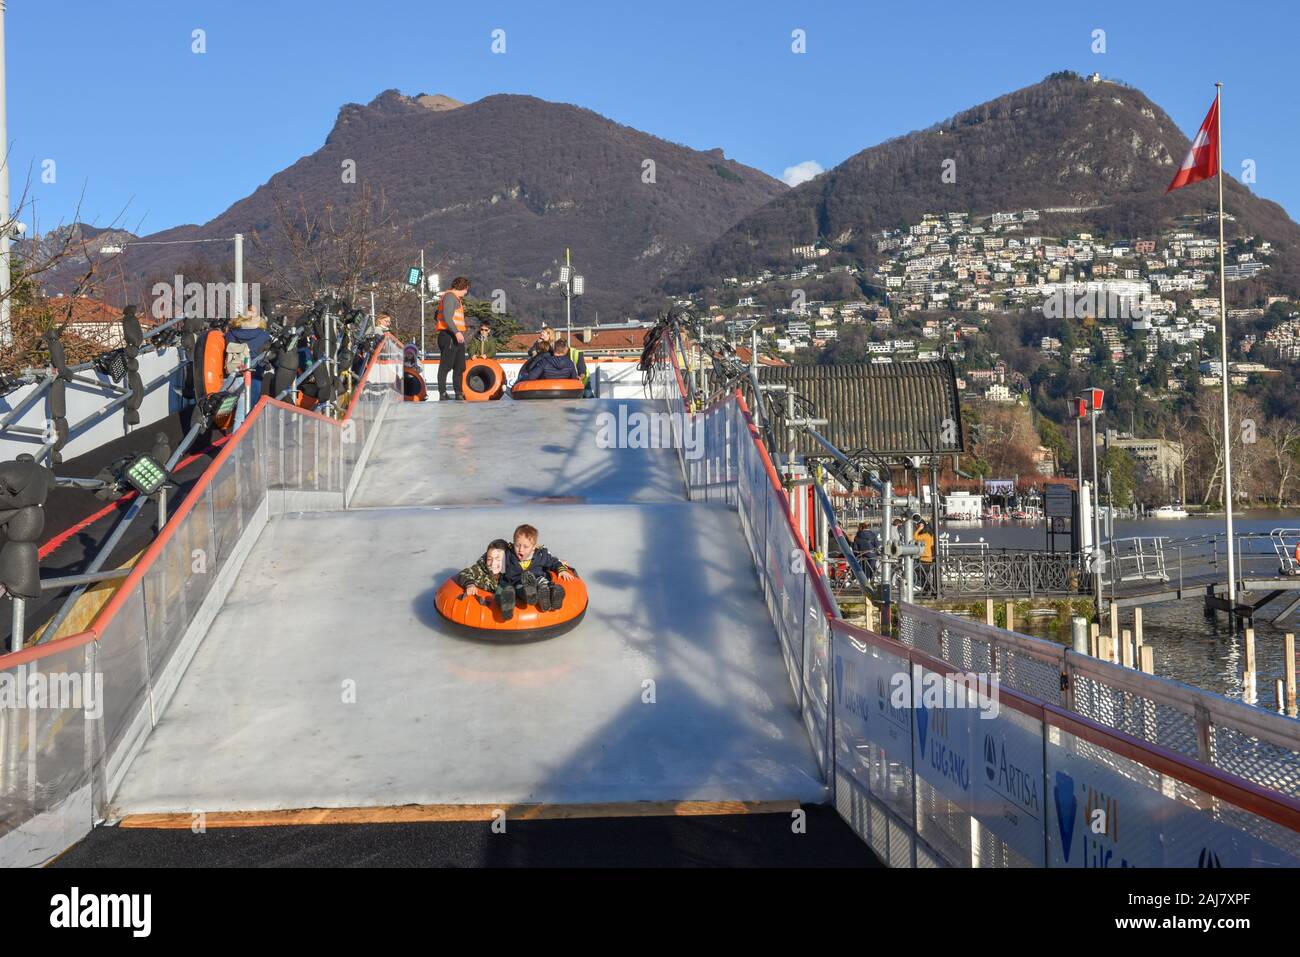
(867, 544)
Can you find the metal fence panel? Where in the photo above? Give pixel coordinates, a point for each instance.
(942, 759)
(1008, 797)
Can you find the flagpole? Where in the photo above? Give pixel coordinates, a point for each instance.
(1223, 357)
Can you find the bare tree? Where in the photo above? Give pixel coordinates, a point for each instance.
(339, 249)
(1283, 436)
(1244, 416)
(66, 250)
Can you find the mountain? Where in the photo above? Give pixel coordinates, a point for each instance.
(69, 248)
(496, 189)
(1099, 154)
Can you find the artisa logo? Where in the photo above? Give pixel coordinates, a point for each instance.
(1006, 778)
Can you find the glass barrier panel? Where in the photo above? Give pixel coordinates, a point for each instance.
(45, 708)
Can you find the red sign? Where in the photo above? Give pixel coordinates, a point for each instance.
(1094, 399)
(1080, 408)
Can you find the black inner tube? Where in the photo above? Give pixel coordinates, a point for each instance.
(481, 379)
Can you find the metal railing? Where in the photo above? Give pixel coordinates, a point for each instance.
(1131, 562)
(1013, 779)
(1257, 745)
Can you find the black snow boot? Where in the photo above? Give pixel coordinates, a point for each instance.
(529, 589)
(544, 599)
(506, 599)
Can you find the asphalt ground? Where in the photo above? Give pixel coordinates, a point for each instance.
(736, 840)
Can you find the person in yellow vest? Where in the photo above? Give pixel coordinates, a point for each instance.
(922, 533)
(451, 337)
(580, 363)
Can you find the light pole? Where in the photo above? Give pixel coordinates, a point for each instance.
(1095, 398)
(423, 285)
(239, 274)
(6, 325)
(574, 285)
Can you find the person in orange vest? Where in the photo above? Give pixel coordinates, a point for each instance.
(451, 336)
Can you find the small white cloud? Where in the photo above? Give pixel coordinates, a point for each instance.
(794, 175)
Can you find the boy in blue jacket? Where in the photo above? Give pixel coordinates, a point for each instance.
(534, 572)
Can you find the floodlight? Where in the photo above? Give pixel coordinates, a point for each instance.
(145, 475)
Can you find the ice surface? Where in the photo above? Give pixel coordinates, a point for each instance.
(329, 680)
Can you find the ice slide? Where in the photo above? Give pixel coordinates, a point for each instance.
(327, 679)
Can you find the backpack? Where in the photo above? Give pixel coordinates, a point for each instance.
(236, 357)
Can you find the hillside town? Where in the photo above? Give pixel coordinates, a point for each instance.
(1145, 307)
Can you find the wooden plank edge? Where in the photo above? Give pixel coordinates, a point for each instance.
(434, 813)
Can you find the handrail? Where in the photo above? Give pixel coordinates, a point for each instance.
(1272, 805)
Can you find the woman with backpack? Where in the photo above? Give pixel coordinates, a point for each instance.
(246, 340)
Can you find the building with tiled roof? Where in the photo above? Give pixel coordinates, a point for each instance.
(90, 319)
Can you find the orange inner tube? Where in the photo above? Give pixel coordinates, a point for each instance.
(483, 380)
(212, 362)
(548, 388)
(528, 621)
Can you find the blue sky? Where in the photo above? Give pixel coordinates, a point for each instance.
(155, 135)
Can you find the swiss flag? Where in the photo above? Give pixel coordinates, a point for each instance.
(1202, 160)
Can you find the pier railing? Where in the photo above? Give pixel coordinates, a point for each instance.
(1137, 563)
